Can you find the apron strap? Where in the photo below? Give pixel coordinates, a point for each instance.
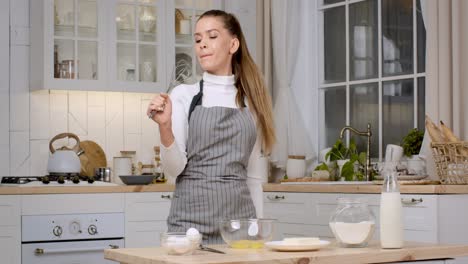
(197, 100)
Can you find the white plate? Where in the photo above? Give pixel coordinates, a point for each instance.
(281, 246)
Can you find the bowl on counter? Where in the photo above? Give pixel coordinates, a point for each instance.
(247, 233)
(179, 243)
(137, 179)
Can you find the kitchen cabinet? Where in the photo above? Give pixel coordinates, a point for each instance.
(68, 41)
(307, 214)
(114, 45)
(145, 218)
(10, 229)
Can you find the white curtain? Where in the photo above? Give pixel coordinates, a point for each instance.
(447, 63)
(292, 137)
(446, 66)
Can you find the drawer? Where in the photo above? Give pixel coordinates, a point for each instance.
(420, 212)
(287, 207)
(44, 204)
(147, 206)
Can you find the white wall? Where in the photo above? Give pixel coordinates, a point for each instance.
(28, 120)
(4, 88)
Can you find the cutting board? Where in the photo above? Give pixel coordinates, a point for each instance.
(92, 157)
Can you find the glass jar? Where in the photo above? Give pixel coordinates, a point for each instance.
(352, 223)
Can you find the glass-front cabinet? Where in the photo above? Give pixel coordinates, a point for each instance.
(67, 45)
(137, 45)
(114, 45)
(185, 67)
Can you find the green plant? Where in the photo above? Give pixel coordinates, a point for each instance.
(412, 142)
(340, 152)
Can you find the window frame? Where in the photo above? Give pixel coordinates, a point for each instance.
(380, 79)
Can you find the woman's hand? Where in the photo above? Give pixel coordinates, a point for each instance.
(160, 109)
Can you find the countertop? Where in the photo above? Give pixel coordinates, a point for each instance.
(85, 189)
(372, 254)
(271, 187)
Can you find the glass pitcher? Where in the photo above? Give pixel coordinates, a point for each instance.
(352, 223)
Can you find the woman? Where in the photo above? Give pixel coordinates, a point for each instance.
(211, 129)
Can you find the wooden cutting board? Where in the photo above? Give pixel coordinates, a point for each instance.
(92, 157)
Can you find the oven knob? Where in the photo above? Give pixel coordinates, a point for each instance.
(57, 231)
(75, 228)
(92, 230)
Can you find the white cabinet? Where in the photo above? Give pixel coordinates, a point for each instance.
(68, 44)
(113, 45)
(10, 229)
(145, 218)
(307, 214)
(137, 45)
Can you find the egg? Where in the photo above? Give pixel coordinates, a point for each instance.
(193, 234)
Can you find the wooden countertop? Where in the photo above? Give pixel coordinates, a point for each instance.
(372, 254)
(271, 187)
(365, 188)
(85, 189)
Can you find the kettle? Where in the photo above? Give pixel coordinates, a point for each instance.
(64, 160)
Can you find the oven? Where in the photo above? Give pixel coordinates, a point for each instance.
(70, 238)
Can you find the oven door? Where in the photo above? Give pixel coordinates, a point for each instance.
(75, 252)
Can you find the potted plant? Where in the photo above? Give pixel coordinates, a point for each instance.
(346, 158)
(412, 143)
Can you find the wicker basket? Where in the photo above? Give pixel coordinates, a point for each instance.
(451, 160)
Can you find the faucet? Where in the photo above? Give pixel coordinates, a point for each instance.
(367, 134)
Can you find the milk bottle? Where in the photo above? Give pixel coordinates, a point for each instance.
(391, 221)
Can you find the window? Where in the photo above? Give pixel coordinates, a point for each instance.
(372, 70)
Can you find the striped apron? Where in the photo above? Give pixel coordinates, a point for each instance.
(213, 184)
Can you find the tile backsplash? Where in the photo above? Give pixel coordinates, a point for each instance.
(114, 120)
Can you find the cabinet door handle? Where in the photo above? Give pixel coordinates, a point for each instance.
(411, 201)
(276, 197)
(166, 196)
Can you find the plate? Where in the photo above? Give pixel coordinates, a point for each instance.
(405, 177)
(281, 246)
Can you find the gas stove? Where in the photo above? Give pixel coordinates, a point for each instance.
(51, 180)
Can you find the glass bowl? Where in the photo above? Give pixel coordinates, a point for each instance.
(247, 233)
(178, 243)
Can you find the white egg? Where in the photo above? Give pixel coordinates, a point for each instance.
(253, 229)
(192, 234)
(235, 225)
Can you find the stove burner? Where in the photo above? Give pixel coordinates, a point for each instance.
(65, 179)
(61, 178)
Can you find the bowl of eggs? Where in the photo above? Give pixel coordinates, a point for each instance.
(181, 243)
(247, 233)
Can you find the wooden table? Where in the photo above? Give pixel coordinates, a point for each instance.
(373, 254)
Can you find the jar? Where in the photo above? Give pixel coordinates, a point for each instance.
(352, 223)
(295, 166)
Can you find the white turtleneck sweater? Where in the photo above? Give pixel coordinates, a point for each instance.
(217, 91)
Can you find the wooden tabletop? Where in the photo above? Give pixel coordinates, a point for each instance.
(333, 254)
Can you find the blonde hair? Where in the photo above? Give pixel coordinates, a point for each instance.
(249, 80)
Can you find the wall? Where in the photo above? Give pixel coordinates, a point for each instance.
(4, 87)
(28, 120)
